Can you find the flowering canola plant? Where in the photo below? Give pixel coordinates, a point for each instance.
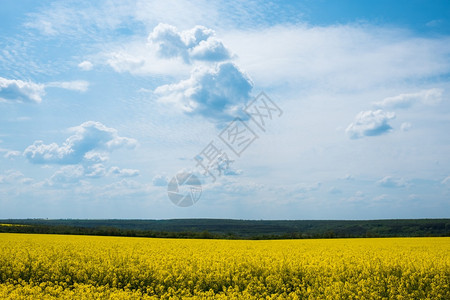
(93, 267)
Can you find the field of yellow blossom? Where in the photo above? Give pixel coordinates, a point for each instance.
(92, 267)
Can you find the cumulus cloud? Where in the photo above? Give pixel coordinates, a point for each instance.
(427, 97)
(27, 91)
(85, 65)
(168, 41)
(88, 138)
(77, 85)
(123, 172)
(370, 123)
(391, 182)
(198, 43)
(168, 51)
(21, 91)
(216, 93)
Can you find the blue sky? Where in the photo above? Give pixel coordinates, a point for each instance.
(102, 103)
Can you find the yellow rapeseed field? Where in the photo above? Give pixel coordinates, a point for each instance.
(87, 267)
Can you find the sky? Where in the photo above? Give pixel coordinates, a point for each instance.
(250, 110)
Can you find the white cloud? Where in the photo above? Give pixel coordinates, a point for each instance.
(95, 171)
(391, 182)
(358, 197)
(381, 198)
(122, 61)
(160, 180)
(216, 93)
(11, 154)
(123, 172)
(210, 50)
(77, 85)
(66, 175)
(168, 51)
(75, 174)
(427, 97)
(43, 26)
(198, 43)
(406, 126)
(370, 123)
(85, 65)
(21, 91)
(89, 137)
(14, 177)
(343, 57)
(168, 41)
(27, 91)
(95, 157)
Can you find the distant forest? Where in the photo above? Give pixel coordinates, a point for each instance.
(233, 229)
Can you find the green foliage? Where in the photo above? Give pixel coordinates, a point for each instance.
(233, 229)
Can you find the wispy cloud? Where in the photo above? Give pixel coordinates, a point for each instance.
(77, 85)
(343, 57)
(14, 177)
(427, 97)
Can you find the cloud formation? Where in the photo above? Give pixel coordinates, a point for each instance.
(391, 182)
(427, 97)
(66, 175)
(88, 138)
(370, 123)
(85, 65)
(26, 91)
(74, 174)
(198, 43)
(123, 172)
(217, 93)
(160, 180)
(14, 177)
(77, 85)
(21, 91)
(352, 56)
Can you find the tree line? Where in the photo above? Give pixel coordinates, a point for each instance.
(233, 229)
